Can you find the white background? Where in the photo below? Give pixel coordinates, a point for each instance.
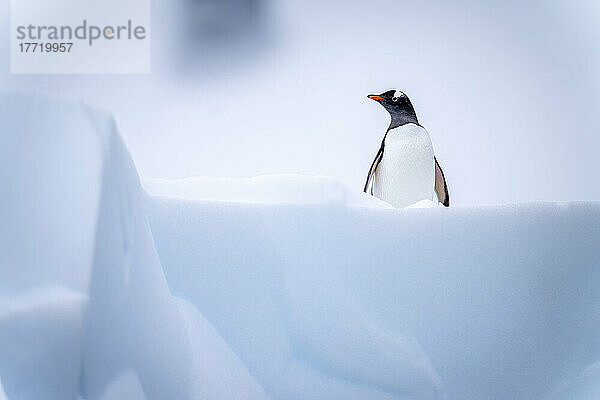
(508, 91)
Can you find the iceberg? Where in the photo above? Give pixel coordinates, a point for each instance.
(274, 287)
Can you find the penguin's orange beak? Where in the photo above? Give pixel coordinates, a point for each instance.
(375, 97)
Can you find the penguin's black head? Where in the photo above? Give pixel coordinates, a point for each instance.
(398, 105)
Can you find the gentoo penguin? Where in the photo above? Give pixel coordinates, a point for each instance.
(405, 169)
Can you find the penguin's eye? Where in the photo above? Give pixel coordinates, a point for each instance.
(394, 99)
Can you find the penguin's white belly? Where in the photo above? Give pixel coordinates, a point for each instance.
(406, 173)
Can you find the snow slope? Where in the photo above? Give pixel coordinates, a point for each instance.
(494, 303)
(133, 339)
(277, 287)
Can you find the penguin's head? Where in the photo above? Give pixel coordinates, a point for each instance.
(398, 105)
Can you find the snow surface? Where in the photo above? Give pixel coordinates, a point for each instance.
(280, 287)
(2, 394)
(286, 189)
(40, 341)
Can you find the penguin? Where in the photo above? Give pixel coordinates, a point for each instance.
(405, 169)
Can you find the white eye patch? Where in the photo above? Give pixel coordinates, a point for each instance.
(399, 94)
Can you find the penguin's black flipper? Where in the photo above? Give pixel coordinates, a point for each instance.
(374, 165)
(441, 188)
